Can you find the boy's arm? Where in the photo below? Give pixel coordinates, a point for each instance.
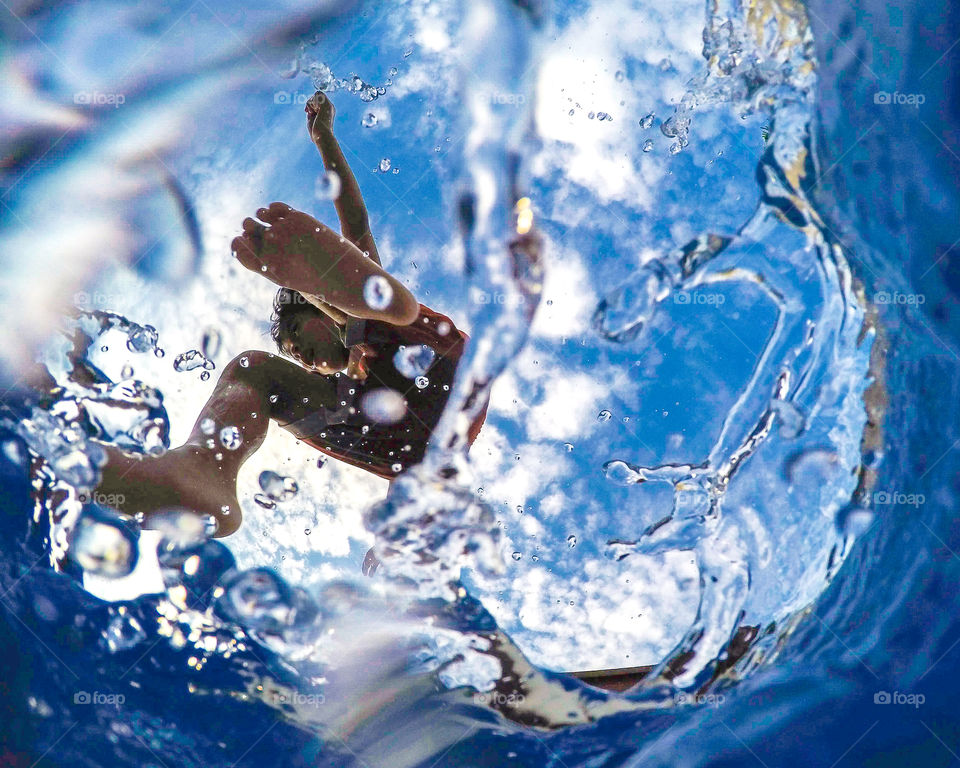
(351, 210)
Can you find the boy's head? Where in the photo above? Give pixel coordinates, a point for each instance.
(306, 334)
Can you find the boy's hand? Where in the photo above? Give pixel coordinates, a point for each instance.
(320, 113)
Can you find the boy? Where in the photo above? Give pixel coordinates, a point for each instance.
(374, 367)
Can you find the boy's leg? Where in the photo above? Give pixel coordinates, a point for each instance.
(201, 475)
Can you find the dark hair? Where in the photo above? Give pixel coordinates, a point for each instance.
(288, 305)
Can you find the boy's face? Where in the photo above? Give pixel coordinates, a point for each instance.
(314, 342)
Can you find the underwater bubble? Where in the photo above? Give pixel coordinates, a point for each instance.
(180, 528)
(854, 521)
(208, 426)
(385, 165)
(322, 77)
(648, 145)
(604, 415)
(571, 541)
(789, 417)
(278, 487)
(198, 570)
(103, 543)
(384, 406)
(369, 120)
(265, 501)
(647, 121)
(621, 473)
(414, 360)
(259, 599)
(422, 382)
(190, 361)
(327, 186)
(377, 292)
(210, 342)
(122, 633)
(230, 438)
(142, 339)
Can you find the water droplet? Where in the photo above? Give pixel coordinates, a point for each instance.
(619, 76)
(621, 473)
(265, 501)
(398, 467)
(231, 438)
(104, 544)
(383, 406)
(648, 145)
(205, 376)
(306, 531)
(568, 446)
(208, 426)
(591, 115)
(122, 633)
(516, 555)
(854, 521)
(261, 600)
(210, 343)
(604, 415)
(328, 186)
(190, 361)
(159, 352)
(278, 487)
(414, 360)
(647, 121)
(127, 372)
(273, 398)
(571, 541)
(377, 292)
(422, 382)
(665, 65)
(244, 362)
(142, 338)
(369, 120)
(385, 165)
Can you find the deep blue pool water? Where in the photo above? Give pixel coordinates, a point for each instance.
(857, 663)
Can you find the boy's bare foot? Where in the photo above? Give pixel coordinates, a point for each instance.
(293, 249)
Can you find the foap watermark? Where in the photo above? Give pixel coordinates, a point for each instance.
(299, 700)
(99, 99)
(289, 97)
(99, 699)
(115, 500)
(710, 699)
(914, 700)
(498, 699)
(699, 298)
(899, 99)
(487, 297)
(911, 299)
(899, 499)
(83, 299)
(503, 97)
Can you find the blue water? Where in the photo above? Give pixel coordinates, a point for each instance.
(859, 642)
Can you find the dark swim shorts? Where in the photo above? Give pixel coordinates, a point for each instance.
(357, 432)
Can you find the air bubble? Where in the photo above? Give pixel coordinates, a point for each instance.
(377, 292)
(327, 186)
(231, 438)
